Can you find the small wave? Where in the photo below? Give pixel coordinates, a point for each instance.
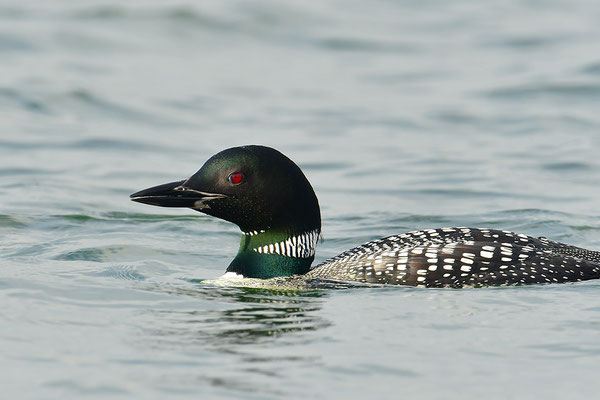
(567, 166)
(125, 272)
(9, 221)
(123, 217)
(102, 12)
(26, 101)
(524, 42)
(24, 171)
(108, 253)
(106, 143)
(88, 99)
(585, 228)
(592, 69)
(326, 166)
(580, 90)
(179, 14)
(89, 254)
(457, 117)
(10, 43)
(364, 45)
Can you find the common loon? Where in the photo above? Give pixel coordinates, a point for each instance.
(269, 198)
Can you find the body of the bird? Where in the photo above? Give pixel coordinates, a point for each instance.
(269, 198)
(461, 257)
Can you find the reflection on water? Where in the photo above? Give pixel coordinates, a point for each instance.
(239, 338)
(238, 315)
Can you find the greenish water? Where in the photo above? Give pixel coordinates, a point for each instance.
(403, 115)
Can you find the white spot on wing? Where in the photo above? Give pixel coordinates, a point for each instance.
(486, 254)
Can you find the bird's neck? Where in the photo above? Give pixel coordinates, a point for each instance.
(271, 253)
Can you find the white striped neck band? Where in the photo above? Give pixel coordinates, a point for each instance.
(299, 246)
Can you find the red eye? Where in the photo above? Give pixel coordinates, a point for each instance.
(236, 178)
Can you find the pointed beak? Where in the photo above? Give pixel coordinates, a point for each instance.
(175, 194)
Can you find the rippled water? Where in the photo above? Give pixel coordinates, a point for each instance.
(404, 115)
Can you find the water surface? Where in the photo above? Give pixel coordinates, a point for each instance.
(403, 115)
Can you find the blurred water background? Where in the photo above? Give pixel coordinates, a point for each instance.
(403, 114)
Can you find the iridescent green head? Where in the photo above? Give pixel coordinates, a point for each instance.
(266, 195)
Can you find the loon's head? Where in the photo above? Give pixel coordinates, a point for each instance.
(265, 194)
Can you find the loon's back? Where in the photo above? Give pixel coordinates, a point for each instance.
(458, 257)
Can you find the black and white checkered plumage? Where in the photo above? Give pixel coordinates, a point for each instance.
(461, 257)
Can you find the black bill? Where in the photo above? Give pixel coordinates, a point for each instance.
(175, 194)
